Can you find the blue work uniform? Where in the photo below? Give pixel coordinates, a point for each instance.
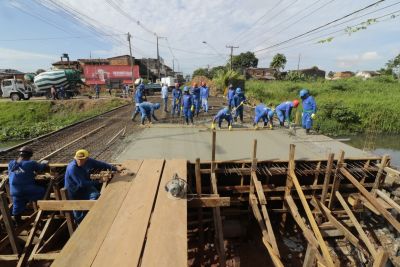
(237, 99)
(223, 114)
(187, 104)
(263, 113)
(176, 101)
(231, 94)
(139, 98)
(196, 99)
(283, 111)
(309, 108)
(79, 185)
(204, 94)
(147, 110)
(97, 90)
(22, 183)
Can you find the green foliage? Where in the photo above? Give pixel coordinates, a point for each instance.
(202, 72)
(224, 77)
(295, 76)
(344, 106)
(394, 65)
(278, 62)
(214, 70)
(22, 120)
(244, 60)
(331, 74)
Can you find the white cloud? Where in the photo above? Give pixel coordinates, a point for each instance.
(356, 60)
(24, 60)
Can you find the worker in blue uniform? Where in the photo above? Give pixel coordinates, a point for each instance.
(187, 105)
(204, 94)
(223, 114)
(230, 95)
(309, 109)
(147, 110)
(176, 100)
(77, 179)
(97, 90)
(239, 99)
(23, 187)
(196, 99)
(284, 110)
(139, 97)
(265, 114)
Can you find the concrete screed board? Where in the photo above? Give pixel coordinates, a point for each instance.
(163, 141)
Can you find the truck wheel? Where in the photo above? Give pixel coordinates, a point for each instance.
(15, 97)
(27, 98)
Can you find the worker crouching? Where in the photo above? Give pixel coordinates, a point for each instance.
(147, 110)
(223, 114)
(265, 114)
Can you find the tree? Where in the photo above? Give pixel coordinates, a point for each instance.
(278, 62)
(202, 72)
(394, 65)
(40, 71)
(244, 60)
(331, 74)
(214, 70)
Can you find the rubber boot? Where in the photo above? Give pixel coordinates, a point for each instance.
(134, 116)
(307, 131)
(142, 121)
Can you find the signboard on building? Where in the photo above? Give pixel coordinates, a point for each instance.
(105, 73)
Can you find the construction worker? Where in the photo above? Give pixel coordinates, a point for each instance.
(176, 100)
(139, 98)
(239, 99)
(265, 114)
(204, 94)
(309, 109)
(223, 114)
(230, 95)
(187, 105)
(284, 110)
(23, 186)
(97, 90)
(77, 179)
(164, 96)
(147, 110)
(196, 98)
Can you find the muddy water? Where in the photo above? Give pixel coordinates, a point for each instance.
(384, 144)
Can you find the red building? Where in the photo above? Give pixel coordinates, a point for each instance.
(109, 74)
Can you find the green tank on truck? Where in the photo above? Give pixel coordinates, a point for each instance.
(69, 79)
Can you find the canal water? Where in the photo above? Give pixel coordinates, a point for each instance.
(383, 144)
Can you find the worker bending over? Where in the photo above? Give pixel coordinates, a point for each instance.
(265, 114)
(147, 110)
(176, 100)
(284, 110)
(77, 179)
(223, 114)
(239, 99)
(187, 105)
(140, 97)
(23, 187)
(309, 109)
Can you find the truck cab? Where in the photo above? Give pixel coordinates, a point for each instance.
(16, 89)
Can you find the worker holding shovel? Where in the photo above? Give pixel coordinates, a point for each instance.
(239, 99)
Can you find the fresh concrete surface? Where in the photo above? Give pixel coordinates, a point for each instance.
(188, 142)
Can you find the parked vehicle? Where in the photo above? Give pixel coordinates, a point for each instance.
(16, 89)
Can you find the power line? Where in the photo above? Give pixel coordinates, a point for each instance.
(231, 47)
(319, 27)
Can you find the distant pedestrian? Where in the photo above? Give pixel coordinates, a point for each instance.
(164, 96)
(109, 89)
(204, 93)
(53, 92)
(126, 90)
(97, 90)
(61, 92)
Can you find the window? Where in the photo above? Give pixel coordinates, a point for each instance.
(6, 83)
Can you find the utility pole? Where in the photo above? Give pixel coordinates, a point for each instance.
(130, 53)
(231, 47)
(158, 57)
(298, 63)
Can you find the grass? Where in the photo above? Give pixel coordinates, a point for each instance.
(29, 119)
(348, 106)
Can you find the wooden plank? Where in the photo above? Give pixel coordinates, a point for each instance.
(209, 202)
(12, 237)
(327, 177)
(12, 257)
(199, 211)
(56, 205)
(336, 180)
(126, 236)
(381, 258)
(309, 258)
(213, 141)
(44, 256)
(388, 200)
(382, 165)
(372, 199)
(168, 248)
(68, 214)
(41, 236)
(83, 246)
(198, 177)
(357, 225)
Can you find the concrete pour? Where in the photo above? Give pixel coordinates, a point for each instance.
(188, 142)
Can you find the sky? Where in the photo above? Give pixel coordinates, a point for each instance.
(195, 33)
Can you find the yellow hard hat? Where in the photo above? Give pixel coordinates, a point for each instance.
(81, 154)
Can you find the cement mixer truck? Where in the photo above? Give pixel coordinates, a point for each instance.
(40, 85)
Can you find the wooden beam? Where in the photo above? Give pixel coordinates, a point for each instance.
(57, 205)
(199, 210)
(209, 202)
(12, 237)
(388, 200)
(381, 258)
(41, 236)
(357, 225)
(68, 215)
(327, 178)
(309, 258)
(372, 199)
(45, 256)
(198, 177)
(213, 140)
(382, 165)
(336, 180)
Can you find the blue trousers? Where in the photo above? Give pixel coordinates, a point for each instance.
(188, 115)
(20, 200)
(239, 113)
(204, 104)
(228, 119)
(197, 105)
(307, 120)
(165, 101)
(176, 107)
(281, 115)
(86, 193)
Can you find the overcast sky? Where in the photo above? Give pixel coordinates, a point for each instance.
(34, 33)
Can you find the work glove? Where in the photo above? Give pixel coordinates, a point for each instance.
(313, 116)
(255, 126)
(212, 126)
(46, 162)
(181, 108)
(192, 108)
(241, 103)
(230, 127)
(270, 126)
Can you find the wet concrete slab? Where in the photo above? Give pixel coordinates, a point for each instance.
(171, 141)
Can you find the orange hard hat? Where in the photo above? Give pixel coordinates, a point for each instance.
(194, 84)
(295, 103)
